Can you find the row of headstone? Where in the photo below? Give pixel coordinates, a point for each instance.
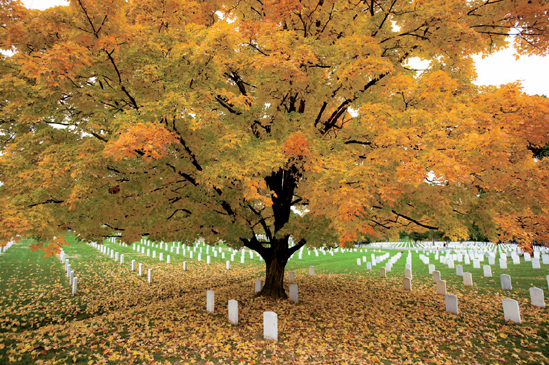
(73, 280)
(199, 253)
(114, 255)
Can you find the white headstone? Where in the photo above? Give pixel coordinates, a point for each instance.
(140, 269)
(270, 326)
(291, 277)
(210, 301)
(293, 293)
(459, 270)
(503, 264)
(436, 276)
(358, 261)
(208, 260)
(258, 286)
(408, 273)
(452, 303)
(506, 282)
(487, 271)
(407, 283)
(75, 285)
(228, 265)
(233, 312)
(382, 273)
(536, 297)
(467, 279)
(431, 269)
(184, 265)
(368, 266)
(527, 257)
(311, 270)
(511, 310)
(133, 265)
(441, 287)
(535, 263)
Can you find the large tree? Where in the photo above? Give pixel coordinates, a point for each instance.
(226, 119)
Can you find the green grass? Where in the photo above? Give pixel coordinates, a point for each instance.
(28, 268)
(523, 277)
(36, 304)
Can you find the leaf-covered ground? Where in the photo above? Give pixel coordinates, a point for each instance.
(342, 318)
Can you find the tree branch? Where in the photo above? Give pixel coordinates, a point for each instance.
(413, 220)
(263, 223)
(178, 210)
(255, 245)
(227, 106)
(46, 202)
(302, 242)
(352, 141)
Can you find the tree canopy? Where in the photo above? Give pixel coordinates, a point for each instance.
(227, 119)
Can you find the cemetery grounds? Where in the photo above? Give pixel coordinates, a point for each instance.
(346, 314)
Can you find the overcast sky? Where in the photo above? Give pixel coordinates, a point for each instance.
(499, 68)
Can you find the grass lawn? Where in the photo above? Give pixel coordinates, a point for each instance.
(345, 315)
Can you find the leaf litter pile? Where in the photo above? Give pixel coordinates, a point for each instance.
(118, 318)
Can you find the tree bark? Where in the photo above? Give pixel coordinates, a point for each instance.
(276, 258)
(274, 280)
(283, 183)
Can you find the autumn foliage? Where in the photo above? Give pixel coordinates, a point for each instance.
(227, 119)
(148, 141)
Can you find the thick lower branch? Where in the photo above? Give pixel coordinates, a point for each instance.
(414, 221)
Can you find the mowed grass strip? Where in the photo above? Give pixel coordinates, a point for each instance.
(352, 318)
(32, 288)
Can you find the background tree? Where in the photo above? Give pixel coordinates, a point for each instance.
(227, 119)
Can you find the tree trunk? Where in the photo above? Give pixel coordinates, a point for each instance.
(275, 262)
(274, 281)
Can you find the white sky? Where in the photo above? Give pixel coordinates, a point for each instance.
(499, 68)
